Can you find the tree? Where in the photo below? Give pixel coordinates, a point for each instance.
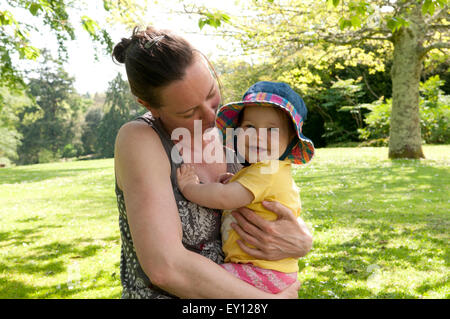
(413, 28)
(410, 28)
(57, 15)
(89, 135)
(9, 121)
(47, 124)
(120, 107)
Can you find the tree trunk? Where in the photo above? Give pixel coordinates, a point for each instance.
(404, 137)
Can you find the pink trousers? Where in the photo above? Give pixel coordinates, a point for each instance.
(265, 279)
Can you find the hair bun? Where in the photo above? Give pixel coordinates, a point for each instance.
(120, 50)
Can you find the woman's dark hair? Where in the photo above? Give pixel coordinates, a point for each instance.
(153, 59)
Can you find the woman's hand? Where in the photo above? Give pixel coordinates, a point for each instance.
(185, 176)
(273, 240)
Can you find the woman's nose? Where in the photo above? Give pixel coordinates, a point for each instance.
(208, 114)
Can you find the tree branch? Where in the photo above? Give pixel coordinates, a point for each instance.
(437, 45)
(440, 27)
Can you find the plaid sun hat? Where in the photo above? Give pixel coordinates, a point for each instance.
(301, 149)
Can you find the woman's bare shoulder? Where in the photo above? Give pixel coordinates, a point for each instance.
(137, 135)
(139, 152)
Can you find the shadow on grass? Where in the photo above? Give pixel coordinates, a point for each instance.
(39, 260)
(376, 202)
(352, 260)
(12, 289)
(50, 260)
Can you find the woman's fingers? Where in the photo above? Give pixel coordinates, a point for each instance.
(279, 209)
(249, 216)
(251, 251)
(248, 232)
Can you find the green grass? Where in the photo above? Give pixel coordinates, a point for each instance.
(381, 227)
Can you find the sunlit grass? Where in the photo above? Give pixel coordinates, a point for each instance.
(381, 227)
(59, 236)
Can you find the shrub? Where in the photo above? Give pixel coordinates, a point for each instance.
(47, 156)
(434, 116)
(69, 151)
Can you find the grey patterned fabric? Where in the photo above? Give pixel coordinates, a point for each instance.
(201, 230)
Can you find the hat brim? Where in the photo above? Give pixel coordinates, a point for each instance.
(228, 117)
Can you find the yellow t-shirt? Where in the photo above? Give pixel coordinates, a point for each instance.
(268, 180)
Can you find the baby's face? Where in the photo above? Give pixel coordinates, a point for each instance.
(267, 133)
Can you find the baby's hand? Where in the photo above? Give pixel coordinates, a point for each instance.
(224, 178)
(186, 176)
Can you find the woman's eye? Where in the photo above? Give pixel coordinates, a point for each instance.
(189, 115)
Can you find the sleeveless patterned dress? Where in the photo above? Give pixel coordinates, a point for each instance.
(201, 229)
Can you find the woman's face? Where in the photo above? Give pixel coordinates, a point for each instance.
(195, 97)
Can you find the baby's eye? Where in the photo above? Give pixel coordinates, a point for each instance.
(248, 126)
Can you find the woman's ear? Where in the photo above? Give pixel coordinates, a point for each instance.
(148, 107)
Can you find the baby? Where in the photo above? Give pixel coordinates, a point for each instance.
(266, 108)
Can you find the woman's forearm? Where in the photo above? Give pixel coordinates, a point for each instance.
(194, 276)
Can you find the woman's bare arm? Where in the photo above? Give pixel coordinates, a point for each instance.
(143, 173)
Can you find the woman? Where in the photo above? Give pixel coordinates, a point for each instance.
(170, 246)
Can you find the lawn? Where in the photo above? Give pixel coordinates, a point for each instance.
(381, 227)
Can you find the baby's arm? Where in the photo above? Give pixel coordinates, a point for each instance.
(213, 195)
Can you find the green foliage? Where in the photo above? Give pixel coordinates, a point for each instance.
(213, 19)
(48, 124)
(121, 107)
(434, 112)
(9, 141)
(69, 151)
(15, 34)
(377, 120)
(89, 135)
(341, 102)
(434, 115)
(47, 156)
(10, 106)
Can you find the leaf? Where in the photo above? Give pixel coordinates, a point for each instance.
(34, 8)
(107, 5)
(201, 23)
(89, 25)
(30, 52)
(344, 23)
(426, 7)
(356, 21)
(335, 3)
(6, 18)
(392, 24)
(225, 18)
